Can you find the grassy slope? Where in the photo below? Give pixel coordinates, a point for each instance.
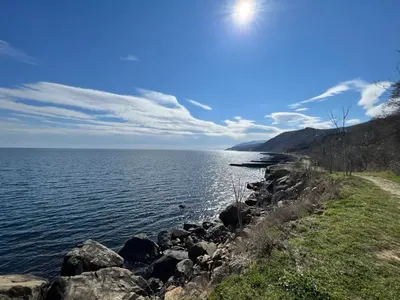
(332, 256)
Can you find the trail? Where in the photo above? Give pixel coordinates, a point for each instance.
(384, 184)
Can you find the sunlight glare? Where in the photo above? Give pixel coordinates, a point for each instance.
(244, 11)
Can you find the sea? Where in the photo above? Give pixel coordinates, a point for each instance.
(53, 199)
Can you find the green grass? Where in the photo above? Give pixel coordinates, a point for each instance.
(387, 175)
(331, 256)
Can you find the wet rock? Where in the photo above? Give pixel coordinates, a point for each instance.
(207, 225)
(22, 287)
(230, 215)
(139, 249)
(201, 248)
(188, 226)
(90, 256)
(182, 206)
(177, 233)
(185, 268)
(108, 283)
(164, 240)
(251, 201)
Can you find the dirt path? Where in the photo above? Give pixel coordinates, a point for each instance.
(384, 184)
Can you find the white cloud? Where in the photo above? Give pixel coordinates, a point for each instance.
(299, 120)
(333, 91)
(203, 106)
(353, 121)
(370, 97)
(7, 50)
(302, 109)
(74, 109)
(130, 57)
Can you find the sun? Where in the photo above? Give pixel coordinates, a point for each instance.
(244, 11)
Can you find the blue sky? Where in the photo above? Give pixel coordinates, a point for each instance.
(188, 74)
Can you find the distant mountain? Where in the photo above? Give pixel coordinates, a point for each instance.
(248, 146)
(286, 141)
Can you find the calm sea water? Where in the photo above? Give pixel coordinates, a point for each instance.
(53, 199)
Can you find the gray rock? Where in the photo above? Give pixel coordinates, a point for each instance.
(155, 284)
(178, 233)
(200, 231)
(219, 274)
(188, 226)
(177, 254)
(90, 256)
(139, 249)
(22, 287)
(230, 215)
(188, 242)
(206, 225)
(164, 267)
(185, 268)
(164, 240)
(202, 260)
(251, 201)
(108, 283)
(201, 248)
(217, 232)
(278, 173)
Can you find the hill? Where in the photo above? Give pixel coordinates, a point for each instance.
(248, 146)
(285, 141)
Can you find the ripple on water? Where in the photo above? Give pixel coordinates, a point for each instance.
(54, 199)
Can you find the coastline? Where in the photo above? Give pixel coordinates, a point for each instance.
(184, 260)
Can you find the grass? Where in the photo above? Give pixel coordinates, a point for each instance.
(352, 251)
(387, 175)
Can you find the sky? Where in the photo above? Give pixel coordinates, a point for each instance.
(192, 74)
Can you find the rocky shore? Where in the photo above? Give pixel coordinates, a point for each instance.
(185, 261)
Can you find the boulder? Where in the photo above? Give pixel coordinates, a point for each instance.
(251, 201)
(200, 231)
(155, 284)
(219, 274)
(90, 256)
(218, 234)
(164, 240)
(188, 242)
(230, 215)
(184, 268)
(139, 249)
(201, 248)
(22, 287)
(178, 233)
(164, 267)
(174, 294)
(108, 283)
(188, 226)
(207, 225)
(278, 173)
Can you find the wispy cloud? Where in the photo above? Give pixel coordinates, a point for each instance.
(370, 95)
(62, 108)
(298, 120)
(333, 91)
(130, 57)
(203, 106)
(8, 50)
